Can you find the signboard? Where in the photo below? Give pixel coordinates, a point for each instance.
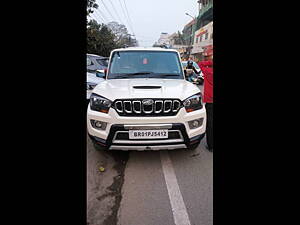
(197, 49)
(200, 32)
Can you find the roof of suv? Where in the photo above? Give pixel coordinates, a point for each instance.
(146, 49)
(97, 56)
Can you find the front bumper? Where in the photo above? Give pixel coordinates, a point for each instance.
(121, 124)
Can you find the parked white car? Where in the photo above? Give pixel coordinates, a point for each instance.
(92, 79)
(145, 103)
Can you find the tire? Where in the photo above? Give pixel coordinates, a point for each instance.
(193, 146)
(98, 147)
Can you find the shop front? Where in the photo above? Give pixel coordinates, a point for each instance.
(203, 42)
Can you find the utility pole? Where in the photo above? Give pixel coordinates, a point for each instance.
(191, 37)
(129, 38)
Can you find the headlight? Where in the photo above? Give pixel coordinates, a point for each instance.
(90, 86)
(100, 104)
(193, 103)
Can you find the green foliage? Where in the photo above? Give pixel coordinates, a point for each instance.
(179, 39)
(91, 4)
(100, 39)
(122, 37)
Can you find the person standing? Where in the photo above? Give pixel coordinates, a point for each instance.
(207, 70)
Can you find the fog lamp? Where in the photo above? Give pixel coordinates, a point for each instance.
(99, 125)
(195, 123)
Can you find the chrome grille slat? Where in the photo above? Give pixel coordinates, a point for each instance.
(119, 109)
(173, 107)
(165, 103)
(129, 104)
(140, 107)
(162, 105)
(144, 105)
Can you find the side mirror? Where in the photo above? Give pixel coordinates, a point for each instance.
(88, 62)
(105, 73)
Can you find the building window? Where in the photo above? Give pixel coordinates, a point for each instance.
(200, 38)
(206, 36)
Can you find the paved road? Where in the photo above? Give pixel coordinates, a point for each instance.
(150, 188)
(104, 188)
(145, 198)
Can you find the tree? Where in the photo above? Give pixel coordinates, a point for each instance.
(122, 37)
(90, 6)
(179, 39)
(100, 39)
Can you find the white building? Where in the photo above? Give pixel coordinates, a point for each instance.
(164, 39)
(203, 41)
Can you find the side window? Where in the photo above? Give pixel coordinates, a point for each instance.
(89, 61)
(102, 62)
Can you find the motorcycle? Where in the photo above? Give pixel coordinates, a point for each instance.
(193, 77)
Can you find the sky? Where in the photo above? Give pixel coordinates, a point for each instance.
(148, 18)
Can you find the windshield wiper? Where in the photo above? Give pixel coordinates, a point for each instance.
(139, 73)
(127, 75)
(167, 75)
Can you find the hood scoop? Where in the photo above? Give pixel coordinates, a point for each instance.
(147, 87)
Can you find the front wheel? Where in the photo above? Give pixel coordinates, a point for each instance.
(97, 146)
(193, 146)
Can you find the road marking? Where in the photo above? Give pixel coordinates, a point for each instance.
(179, 211)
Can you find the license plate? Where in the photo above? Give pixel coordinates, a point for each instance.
(148, 134)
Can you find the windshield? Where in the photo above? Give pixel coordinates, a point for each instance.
(145, 64)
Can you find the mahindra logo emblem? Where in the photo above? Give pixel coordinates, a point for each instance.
(148, 102)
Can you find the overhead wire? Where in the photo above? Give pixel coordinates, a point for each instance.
(102, 14)
(108, 10)
(116, 12)
(92, 16)
(125, 16)
(95, 16)
(130, 23)
(99, 14)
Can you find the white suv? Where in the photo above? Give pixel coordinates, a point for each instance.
(145, 103)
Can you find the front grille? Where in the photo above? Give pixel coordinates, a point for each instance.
(147, 107)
